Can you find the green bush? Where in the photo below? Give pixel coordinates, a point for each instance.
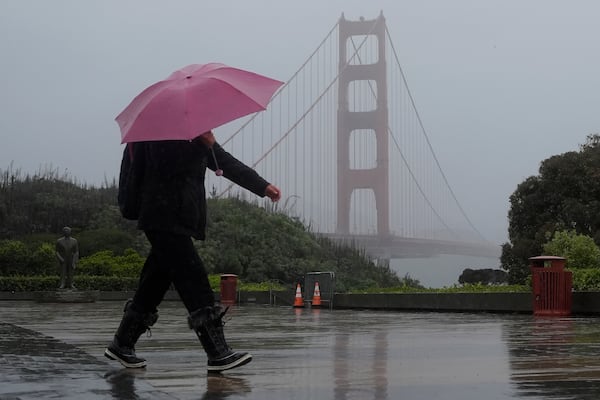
(114, 240)
(28, 283)
(50, 283)
(16, 258)
(586, 279)
(105, 263)
(580, 250)
(35, 240)
(43, 260)
(13, 257)
(130, 263)
(260, 287)
(106, 283)
(100, 263)
(215, 281)
(109, 283)
(467, 288)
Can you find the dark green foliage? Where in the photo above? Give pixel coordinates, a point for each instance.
(16, 258)
(579, 250)
(35, 240)
(42, 260)
(113, 240)
(586, 279)
(483, 276)
(410, 282)
(565, 195)
(106, 283)
(259, 245)
(28, 283)
(45, 202)
(13, 257)
(50, 283)
(106, 263)
(514, 259)
(256, 244)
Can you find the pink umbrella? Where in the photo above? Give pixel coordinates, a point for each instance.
(194, 100)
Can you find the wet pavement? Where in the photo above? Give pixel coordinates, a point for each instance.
(55, 351)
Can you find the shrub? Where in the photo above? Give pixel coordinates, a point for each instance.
(587, 279)
(28, 283)
(50, 283)
(100, 263)
(93, 241)
(106, 283)
(13, 257)
(105, 263)
(17, 258)
(43, 260)
(579, 250)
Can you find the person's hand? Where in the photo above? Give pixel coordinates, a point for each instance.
(273, 193)
(207, 139)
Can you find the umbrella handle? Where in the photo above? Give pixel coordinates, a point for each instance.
(218, 170)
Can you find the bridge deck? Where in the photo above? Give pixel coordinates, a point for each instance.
(398, 247)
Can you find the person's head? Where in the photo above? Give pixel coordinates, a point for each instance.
(207, 138)
(67, 231)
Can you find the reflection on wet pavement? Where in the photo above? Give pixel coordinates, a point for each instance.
(303, 354)
(35, 366)
(555, 358)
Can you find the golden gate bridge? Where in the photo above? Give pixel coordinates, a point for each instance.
(344, 141)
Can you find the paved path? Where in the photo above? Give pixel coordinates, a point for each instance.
(54, 351)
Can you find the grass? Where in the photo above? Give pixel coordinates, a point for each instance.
(468, 288)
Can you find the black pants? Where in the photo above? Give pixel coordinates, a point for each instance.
(172, 259)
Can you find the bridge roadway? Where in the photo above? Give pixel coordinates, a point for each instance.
(391, 246)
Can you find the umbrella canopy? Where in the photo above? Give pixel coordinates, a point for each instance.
(194, 100)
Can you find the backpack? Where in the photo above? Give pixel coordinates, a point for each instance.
(131, 176)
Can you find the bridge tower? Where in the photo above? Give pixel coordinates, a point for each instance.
(376, 178)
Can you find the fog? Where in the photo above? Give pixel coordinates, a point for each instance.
(499, 85)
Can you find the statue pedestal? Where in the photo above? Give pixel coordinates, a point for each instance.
(67, 296)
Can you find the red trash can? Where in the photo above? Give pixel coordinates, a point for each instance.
(228, 289)
(552, 286)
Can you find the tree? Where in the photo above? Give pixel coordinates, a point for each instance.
(257, 243)
(565, 195)
(484, 276)
(409, 281)
(47, 201)
(579, 250)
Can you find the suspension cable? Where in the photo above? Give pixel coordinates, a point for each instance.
(285, 84)
(313, 105)
(462, 211)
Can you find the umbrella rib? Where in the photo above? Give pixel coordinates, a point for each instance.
(160, 87)
(237, 90)
(277, 142)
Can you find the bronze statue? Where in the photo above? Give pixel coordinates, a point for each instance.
(67, 254)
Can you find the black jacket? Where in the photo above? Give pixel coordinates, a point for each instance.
(173, 197)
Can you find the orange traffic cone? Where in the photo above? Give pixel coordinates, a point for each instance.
(316, 301)
(298, 302)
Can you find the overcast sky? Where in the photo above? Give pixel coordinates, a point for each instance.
(500, 85)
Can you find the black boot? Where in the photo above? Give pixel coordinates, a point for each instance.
(131, 328)
(207, 322)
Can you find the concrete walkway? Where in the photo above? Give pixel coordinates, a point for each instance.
(54, 351)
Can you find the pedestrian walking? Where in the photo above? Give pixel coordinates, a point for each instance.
(172, 212)
(170, 143)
